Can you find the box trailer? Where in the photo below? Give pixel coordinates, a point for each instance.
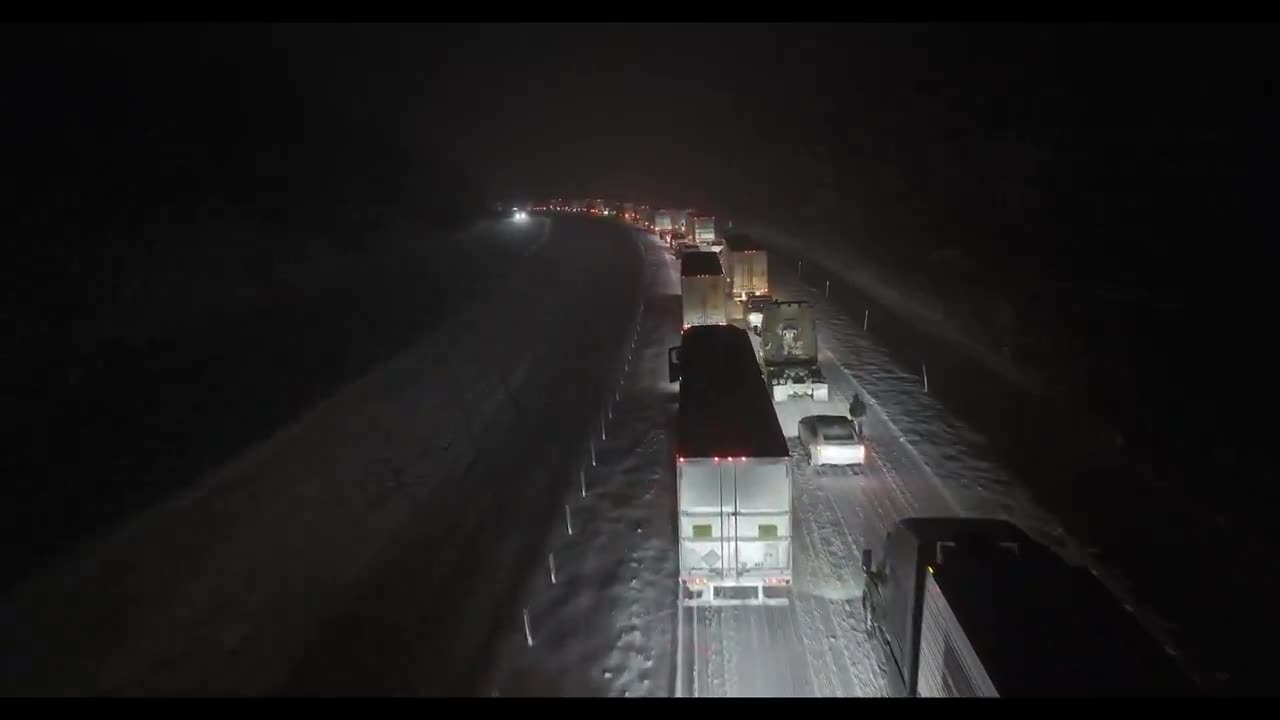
(704, 290)
(733, 474)
(747, 264)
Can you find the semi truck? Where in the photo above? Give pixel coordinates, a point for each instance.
(662, 224)
(702, 228)
(704, 290)
(680, 220)
(733, 474)
(974, 607)
(748, 266)
(789, 351)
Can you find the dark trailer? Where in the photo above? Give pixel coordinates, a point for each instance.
(976, 607)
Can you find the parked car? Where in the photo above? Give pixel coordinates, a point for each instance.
(831, 440)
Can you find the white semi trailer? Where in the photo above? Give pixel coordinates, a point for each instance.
(704, 290)
(733, 474)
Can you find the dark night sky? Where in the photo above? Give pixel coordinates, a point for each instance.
(925, 133)
(538, 104)
(659, 109)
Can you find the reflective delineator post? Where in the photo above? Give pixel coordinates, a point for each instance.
(551, 563)
(592, 445)
(582, 480)
(602, 429)
(568, 519)
(799, 266)
(925, 371)
(827, 293)
(866, 315)
(528, 634)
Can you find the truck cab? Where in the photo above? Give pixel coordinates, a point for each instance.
(789, 350)
(892, 595)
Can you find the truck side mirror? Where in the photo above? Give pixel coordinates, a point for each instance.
(673, 364)
(866, 561)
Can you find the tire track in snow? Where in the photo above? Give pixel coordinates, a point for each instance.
(731, 637)
(817, 574)
(836, 547)
(854, 638)
(799, 649)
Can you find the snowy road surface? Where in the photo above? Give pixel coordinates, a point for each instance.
(609, 623)
(377, 545)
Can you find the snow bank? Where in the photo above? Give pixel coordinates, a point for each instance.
(353, 549)
(606, 625)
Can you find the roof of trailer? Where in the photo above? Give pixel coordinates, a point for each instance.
(726, 409)
(1043, 627)
(696, 264)
(740, 242)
